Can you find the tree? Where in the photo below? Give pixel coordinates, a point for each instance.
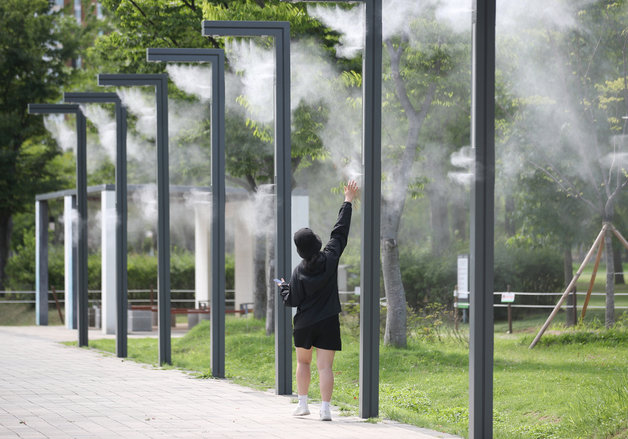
(424, 94)
(573, 131)
(36, 45)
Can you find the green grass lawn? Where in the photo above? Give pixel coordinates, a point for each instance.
(573, 385)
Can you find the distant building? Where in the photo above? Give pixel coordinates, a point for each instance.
(78, 12)
(77, 7)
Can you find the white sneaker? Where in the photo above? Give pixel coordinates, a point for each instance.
(325, 414)
(301, 410)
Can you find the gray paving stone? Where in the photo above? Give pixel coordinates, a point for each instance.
(59, 391)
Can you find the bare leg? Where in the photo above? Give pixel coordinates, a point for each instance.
(304, 359)
(324, 363)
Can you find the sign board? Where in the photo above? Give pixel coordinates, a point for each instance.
(462, 293)
(463, 272)
(508, 297)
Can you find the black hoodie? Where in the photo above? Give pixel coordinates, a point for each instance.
(313, 288)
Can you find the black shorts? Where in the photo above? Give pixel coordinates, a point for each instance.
(323, 335)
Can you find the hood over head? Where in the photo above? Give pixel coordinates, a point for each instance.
(308, 243)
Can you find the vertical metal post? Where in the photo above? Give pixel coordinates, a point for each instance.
(122, 305)
(280, 31)
(81, 200)
(160, 82)
(370, 268)
(41, 263)
(283, 177)
(482, 227)
(217, 58)
(163, 222)
(218, 217)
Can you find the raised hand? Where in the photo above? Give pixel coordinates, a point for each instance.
(351, 191)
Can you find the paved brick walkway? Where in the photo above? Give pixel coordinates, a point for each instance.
(49, 390)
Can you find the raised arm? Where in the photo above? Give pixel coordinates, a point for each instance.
(340, 232)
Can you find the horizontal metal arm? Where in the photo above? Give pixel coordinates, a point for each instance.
(245, 28)
(91, 97)
(131, 79)
(53, 108)
(183, 54)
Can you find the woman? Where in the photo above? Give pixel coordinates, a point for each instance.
(313, 289)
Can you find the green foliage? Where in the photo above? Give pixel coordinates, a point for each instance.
(21, 266)
(528, 269)
(141, 271)
(34, 48)
(301, 24)
(427, 278)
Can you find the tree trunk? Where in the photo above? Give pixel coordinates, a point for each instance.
(395, 334)
(259, 274)
(609, 318)
(271, 287)
(618, 265)
(393, 201)
(571, 314)
(5, 244)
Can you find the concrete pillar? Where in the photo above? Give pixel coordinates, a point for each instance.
(108, 261)
(300, 219)
(244, 271)
(69, 245)
(202, 252)
(41, 262)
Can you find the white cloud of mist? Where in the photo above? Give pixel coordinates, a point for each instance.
(349, 22)
(106, 149)
(255, 76)
(463, 159)
(60, 131)
(514, 16)
(258, 212)
(146, 198)
(396, 18)
(142, 105)
(192, 79)
(312, 83)
(537, 71)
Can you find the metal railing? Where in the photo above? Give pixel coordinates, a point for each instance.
(583, 293)
(134, 301)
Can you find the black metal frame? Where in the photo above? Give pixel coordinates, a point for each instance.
(121, 209)
(160, 82)
(482, 223)
(371, 196)
(280, 32)
(81, 192)
(217, 59)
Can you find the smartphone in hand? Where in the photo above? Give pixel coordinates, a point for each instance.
(278, 281)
